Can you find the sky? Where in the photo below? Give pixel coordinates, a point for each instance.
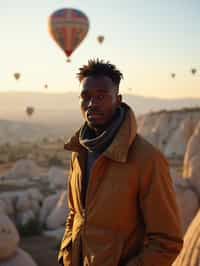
(147, 40)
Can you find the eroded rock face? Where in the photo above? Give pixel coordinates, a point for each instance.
(2, 207)
(30, 199)
(57, 178)
(7, 203)
(20, 258)
(169, 130)
(48, 205)
(23, 169)
(187, 200)
(24, 218)
(190, 253)
(188, 204)
(22, 205)
(192, 160)
(9, 237)
(58, 215)
(56, 233)
(178, 141)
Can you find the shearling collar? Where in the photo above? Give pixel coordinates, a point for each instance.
(118, 149)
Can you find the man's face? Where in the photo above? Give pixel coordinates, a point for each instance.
(99, 100)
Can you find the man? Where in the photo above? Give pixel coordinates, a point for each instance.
(122, 205)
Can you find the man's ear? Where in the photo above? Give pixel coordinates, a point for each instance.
(119, 99)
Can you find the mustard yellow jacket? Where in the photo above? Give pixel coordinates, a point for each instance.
(130, 216)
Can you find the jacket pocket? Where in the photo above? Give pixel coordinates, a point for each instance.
(67, 257)
(65, 253)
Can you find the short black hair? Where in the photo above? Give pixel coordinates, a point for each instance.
(96, 67)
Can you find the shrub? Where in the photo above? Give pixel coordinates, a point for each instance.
(31, 228)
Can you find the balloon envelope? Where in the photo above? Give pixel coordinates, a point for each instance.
(29, 110)
(68, 27)
(193, 71)
(173, 75)
(17, 76)
(100, 39)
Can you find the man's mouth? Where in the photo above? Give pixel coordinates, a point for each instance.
(94, 115)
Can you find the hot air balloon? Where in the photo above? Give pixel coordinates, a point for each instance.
(173, 75)
(17, 75)
(30, 110)
(100, 39)
(193, 71)
(68, 27)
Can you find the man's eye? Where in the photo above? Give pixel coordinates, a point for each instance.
(100, 97)
(84, 97)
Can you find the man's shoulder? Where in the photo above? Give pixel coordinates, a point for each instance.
(144, 150)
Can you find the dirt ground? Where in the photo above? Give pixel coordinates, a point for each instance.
(42, 249)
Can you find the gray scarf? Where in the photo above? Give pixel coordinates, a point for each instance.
(94, 143)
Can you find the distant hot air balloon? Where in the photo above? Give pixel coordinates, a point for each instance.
(173, 75)
(17, 75)
(193, 71)
(30, 110)
(68, 27)
(100, 39)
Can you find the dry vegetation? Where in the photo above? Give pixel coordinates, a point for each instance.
(45, 153)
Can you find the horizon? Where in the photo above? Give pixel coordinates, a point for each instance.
(123, 93)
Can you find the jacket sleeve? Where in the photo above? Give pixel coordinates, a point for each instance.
(160, 215)
(66, 240)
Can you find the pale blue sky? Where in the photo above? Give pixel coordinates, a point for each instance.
(146, 39)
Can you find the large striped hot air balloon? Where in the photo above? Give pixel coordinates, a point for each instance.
(68, 27)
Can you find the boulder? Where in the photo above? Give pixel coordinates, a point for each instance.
(9, 237)
(23, 169)
(177, 142)
(24, 217)
(48, 205)
(20, 258)
(30, 199)
(187, 201)
(23, 202)
(57, 233)
(190, 253)
(8, 202)
(192, 160)
(2, 207)
(35, 194)
(58, 215)
(57, 178)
